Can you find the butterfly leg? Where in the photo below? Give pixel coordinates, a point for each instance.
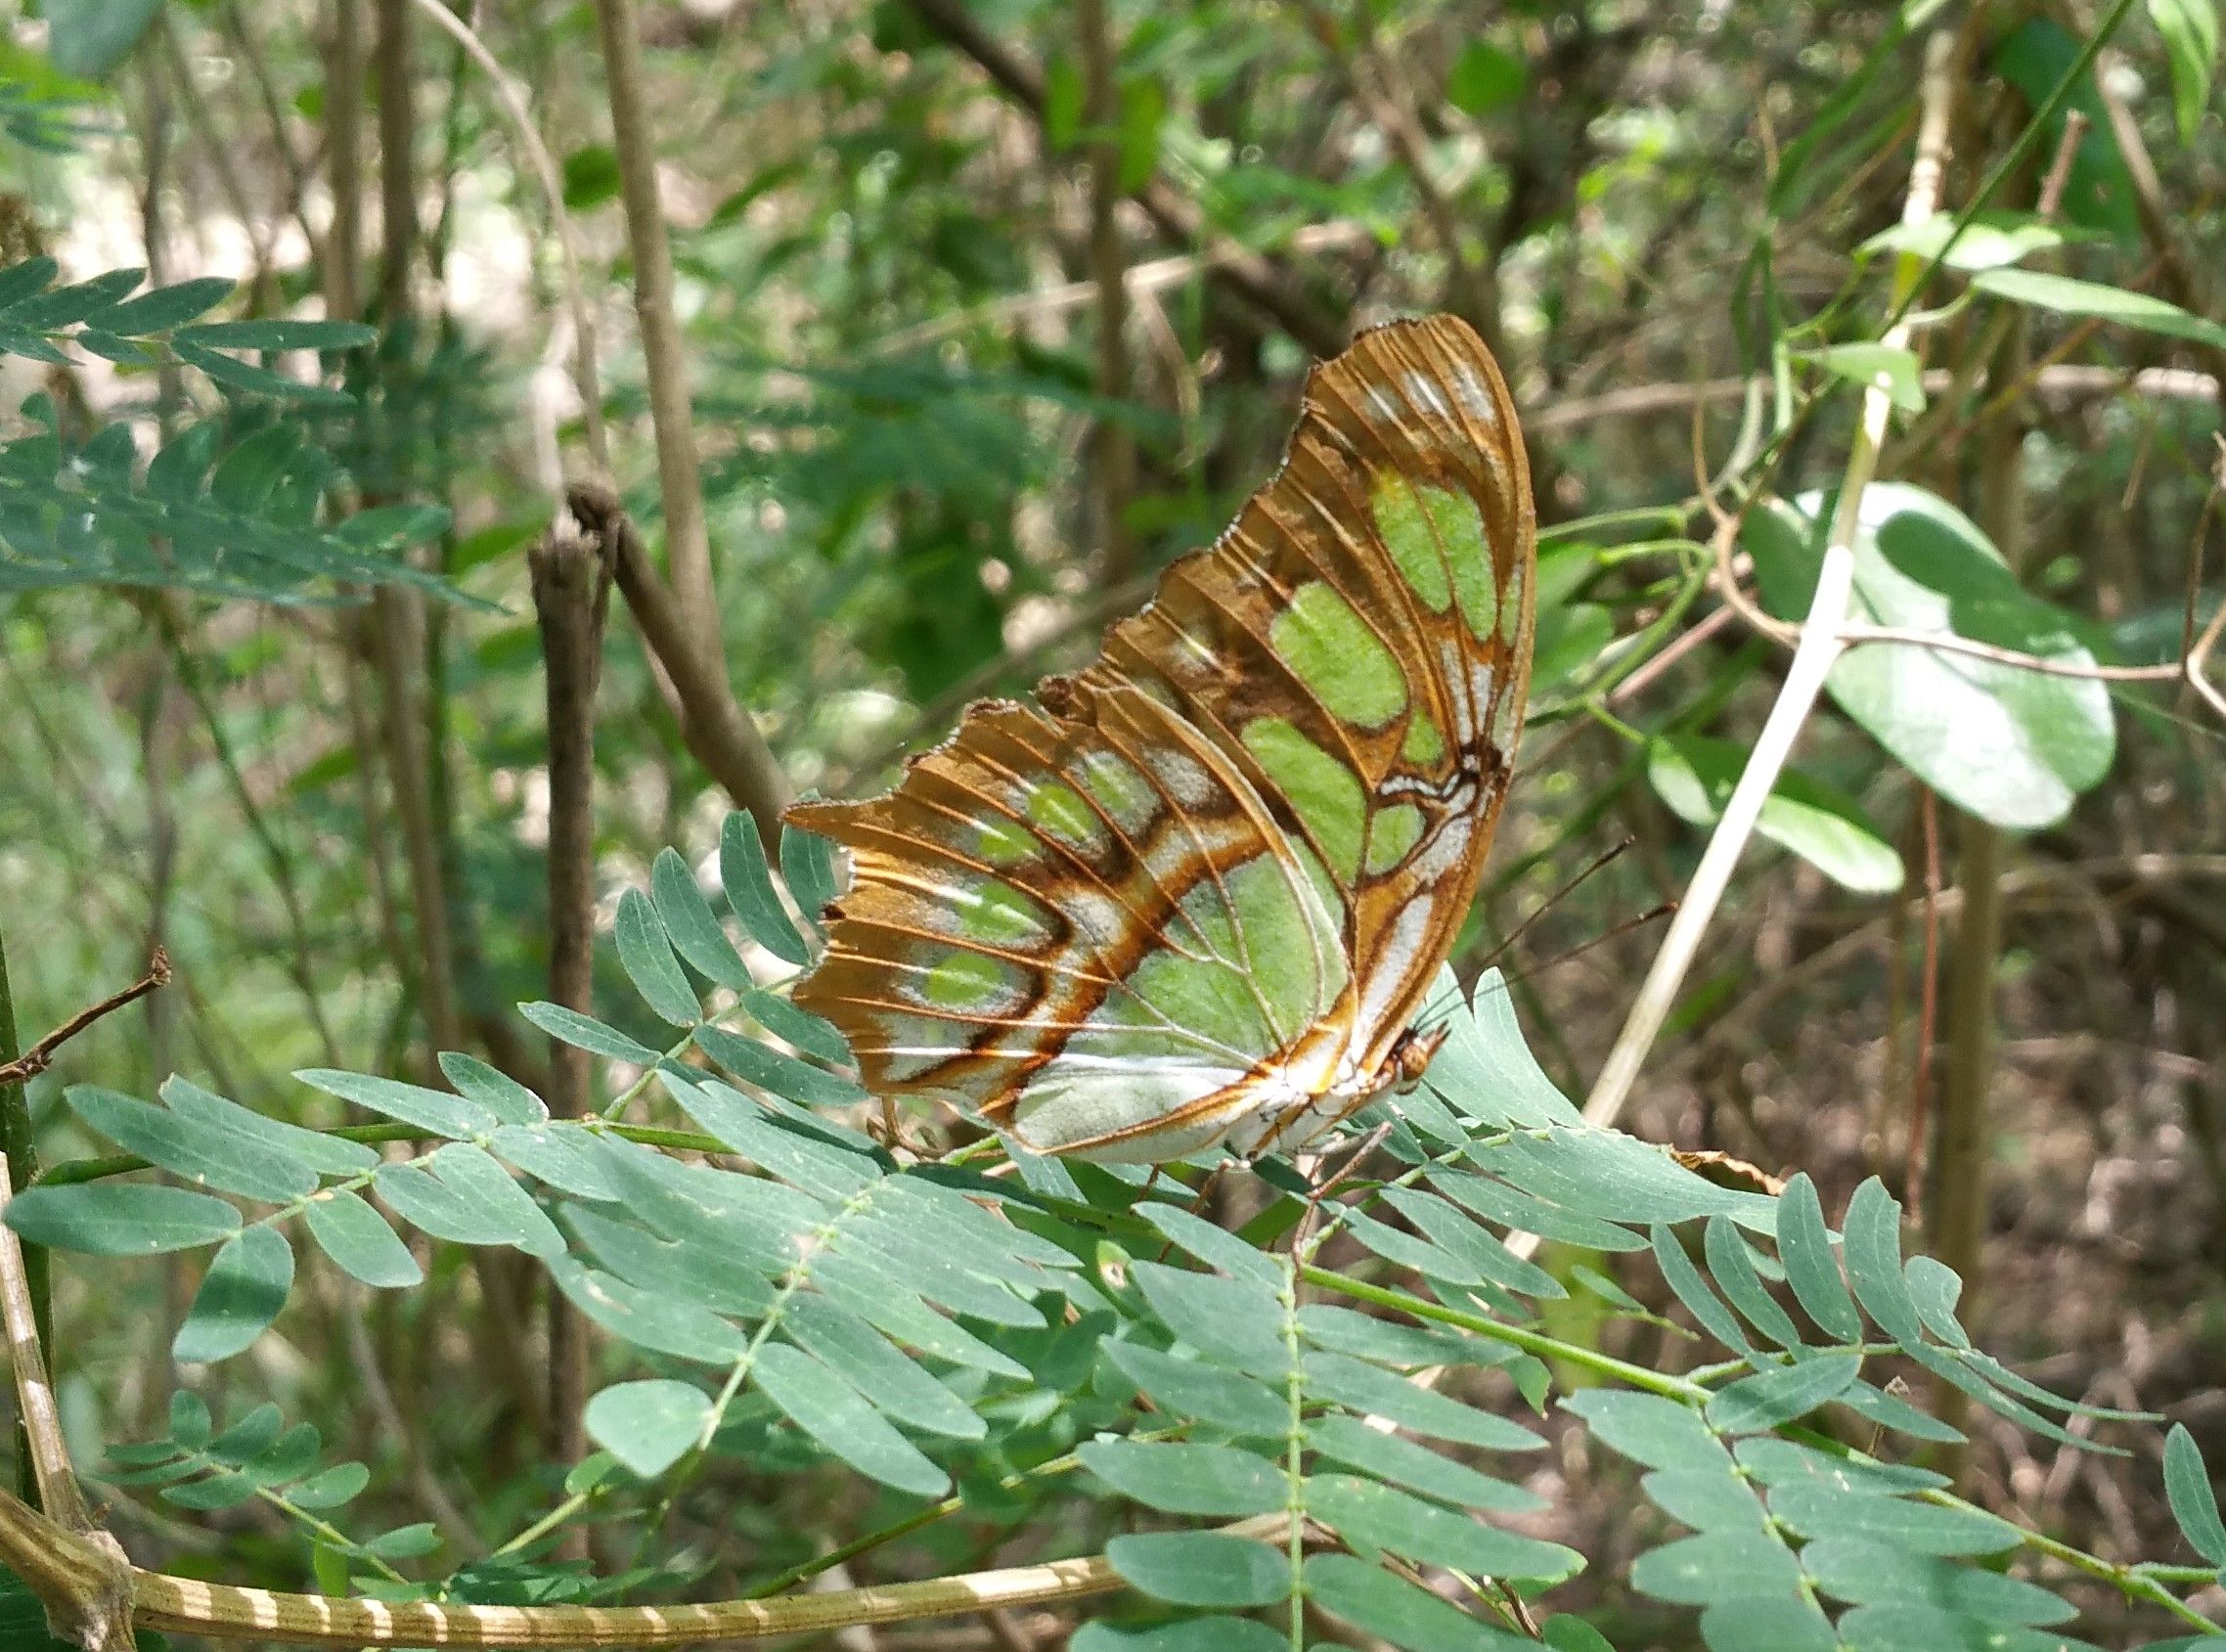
(1322, 1189)
(1198, 1200)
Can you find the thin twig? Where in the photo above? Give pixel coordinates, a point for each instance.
(1113, 445)
(37, 1059)
(2068, 381)
(2060, 169)
(2197, 664)
(2196, 650)
(1695, 636)
(1820, 646)
(1854, 635)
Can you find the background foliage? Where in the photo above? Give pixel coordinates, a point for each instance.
(291, 391)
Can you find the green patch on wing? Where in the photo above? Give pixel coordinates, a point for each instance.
(1335, 653)
(1326, 795)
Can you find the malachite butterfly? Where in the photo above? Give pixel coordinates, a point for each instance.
(1198, 892)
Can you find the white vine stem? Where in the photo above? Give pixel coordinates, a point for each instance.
(1821, 639)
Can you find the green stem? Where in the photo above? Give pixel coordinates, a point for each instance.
(73, 1171)
(2015, 156)
(2141, 1586)
(1682, 1389)
(329, 1535)
(1584, 527)
(1294, 1454)
(548, 1522)
(794, 1280)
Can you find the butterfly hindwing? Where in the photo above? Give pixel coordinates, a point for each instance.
(1200, 894)
(1071, 931)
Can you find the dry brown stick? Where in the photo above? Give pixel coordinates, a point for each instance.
(87, 1581)
(1114, 448)
(724, 739)
(571, 596)
(393, 632)
(37, 1059)
(1259, 280)
(344, 160)
(688, 542)
(397, 132)
(681, 623)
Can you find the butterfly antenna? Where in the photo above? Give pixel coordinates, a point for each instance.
(1622, 929)
(1547, 904)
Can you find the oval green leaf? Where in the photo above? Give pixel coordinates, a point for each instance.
(240, 1294)
(648, 1426)
(2010, 746)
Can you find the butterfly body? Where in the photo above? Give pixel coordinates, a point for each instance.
(1198, 896)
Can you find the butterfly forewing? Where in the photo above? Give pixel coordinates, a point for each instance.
(1201, 894)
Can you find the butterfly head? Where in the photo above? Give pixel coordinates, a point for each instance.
(1411, 1055)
